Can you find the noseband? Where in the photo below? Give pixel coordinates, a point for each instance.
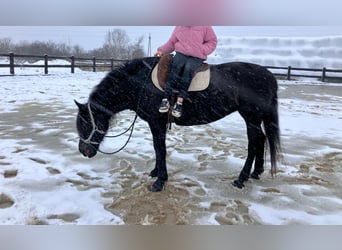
(95, 129)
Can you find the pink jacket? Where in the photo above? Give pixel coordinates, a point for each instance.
(196, 41)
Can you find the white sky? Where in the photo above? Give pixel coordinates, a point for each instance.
(90, 37)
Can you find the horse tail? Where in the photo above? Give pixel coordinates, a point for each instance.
(271, 124)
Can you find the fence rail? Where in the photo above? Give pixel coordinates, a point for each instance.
(322, 74)
(288, 73)
(92, 63)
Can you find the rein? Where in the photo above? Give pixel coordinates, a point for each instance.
(131, 127)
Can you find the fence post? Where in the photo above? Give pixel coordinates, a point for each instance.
(94, 64)
(72, 64)
(289, 73)
(112, 63)
(11, 58)
(46, 67)
(323, 74)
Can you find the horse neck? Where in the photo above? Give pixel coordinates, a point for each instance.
(112, 97)
(121, 89)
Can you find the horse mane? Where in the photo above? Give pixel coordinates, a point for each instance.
(112, 83)
(136, 65)
(122, 71)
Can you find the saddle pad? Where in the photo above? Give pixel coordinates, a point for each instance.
(199, 82)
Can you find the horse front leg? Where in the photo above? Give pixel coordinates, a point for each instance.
(160, 171)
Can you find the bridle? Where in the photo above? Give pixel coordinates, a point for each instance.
(131, 127)
(95, 129)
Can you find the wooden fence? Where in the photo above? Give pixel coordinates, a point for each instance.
(323, 74)
(71, 62)
(93, 64)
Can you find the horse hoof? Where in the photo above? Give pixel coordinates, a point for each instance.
(238, 184)
(255, 176)
(158, 186)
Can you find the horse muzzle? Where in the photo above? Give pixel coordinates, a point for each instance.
(87, 150)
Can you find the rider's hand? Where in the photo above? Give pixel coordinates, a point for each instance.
(158, 53)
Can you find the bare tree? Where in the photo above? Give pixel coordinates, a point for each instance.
(116, 43)
(6, 45)
(136, 49)
(78, 51)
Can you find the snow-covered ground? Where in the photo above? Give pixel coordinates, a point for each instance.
(45, 180)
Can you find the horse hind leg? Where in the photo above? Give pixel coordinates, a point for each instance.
(256, 140)
(259, 157)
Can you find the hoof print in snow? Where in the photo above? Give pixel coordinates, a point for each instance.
(10, 173)
(5, 201)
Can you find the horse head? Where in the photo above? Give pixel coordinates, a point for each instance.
(92, 127)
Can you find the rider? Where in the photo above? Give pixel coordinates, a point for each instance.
(192, 45)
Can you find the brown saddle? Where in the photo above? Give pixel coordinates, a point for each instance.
(200, 80)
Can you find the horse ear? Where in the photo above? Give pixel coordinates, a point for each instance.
(79, 105)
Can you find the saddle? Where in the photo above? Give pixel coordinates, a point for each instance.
(200, 80)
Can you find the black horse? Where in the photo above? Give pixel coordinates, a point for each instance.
(247, 88)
